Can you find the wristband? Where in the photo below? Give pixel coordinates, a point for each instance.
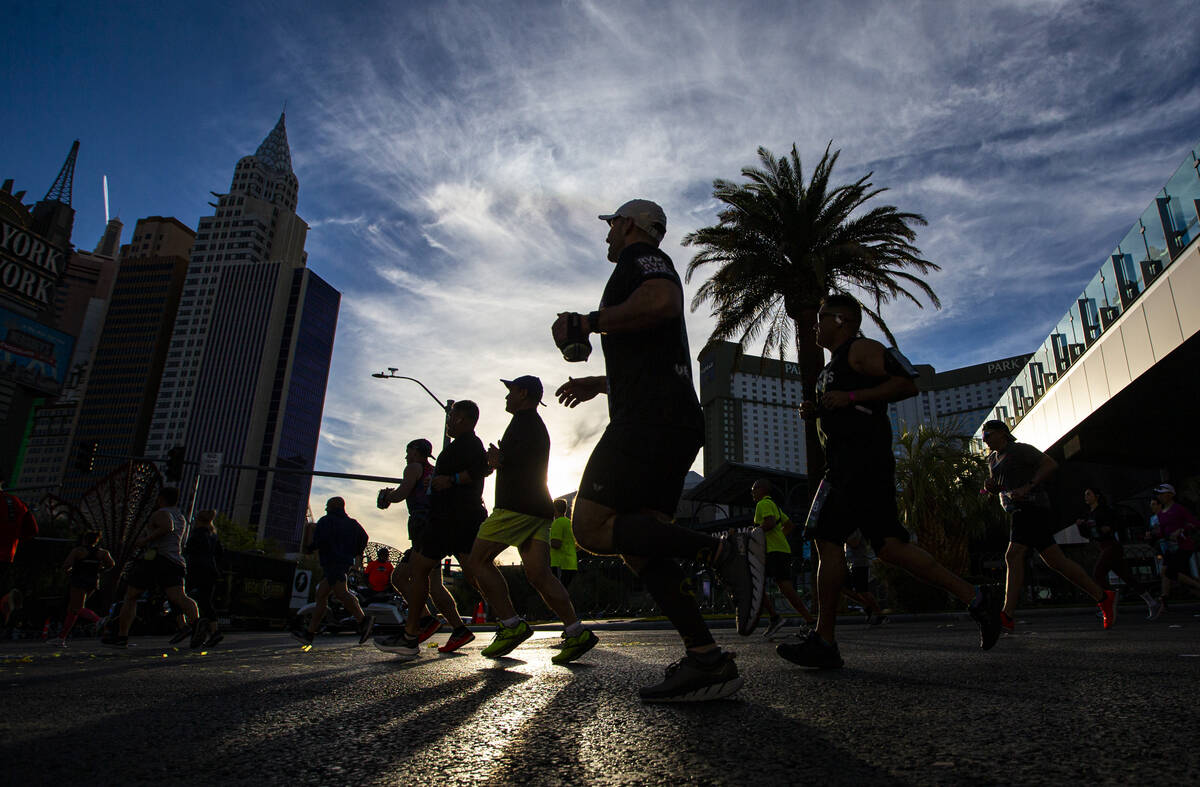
(593, 322)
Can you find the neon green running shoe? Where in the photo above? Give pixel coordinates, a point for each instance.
(574, 647)
(507, 638)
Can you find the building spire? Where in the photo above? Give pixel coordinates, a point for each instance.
(60, 191)
(274, 150)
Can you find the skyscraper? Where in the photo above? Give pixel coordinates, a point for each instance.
(248, 359)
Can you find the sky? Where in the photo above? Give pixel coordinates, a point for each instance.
(453, 157)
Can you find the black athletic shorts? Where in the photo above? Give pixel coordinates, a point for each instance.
(867, 502)
(858, 579)
(159, 572)
(1033, 527)
(634, 468)
(440, 540)
(779, 566)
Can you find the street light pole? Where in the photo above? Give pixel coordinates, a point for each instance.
(391, 375)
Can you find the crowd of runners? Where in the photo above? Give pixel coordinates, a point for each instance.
(628, 495)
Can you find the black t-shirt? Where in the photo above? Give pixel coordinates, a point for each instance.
(858, 437)
(461, 504)
(650, 371)
(521, 478)
(1100, 524)
(1014, 467)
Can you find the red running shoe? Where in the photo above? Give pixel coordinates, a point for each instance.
(429, 626)
(1108, 608)
(1006, 622)
(458, 638)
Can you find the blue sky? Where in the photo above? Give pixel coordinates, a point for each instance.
(452, 158)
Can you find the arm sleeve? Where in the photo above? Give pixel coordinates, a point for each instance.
(649, 266)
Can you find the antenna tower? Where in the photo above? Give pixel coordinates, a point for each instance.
(61, 190)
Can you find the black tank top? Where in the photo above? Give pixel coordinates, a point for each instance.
(86, 570)
(860, 434)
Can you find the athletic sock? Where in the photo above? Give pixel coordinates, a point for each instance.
(671, 590)
(573, 630)
(510, 622)
(644, 535)
(68, 623)
(707, 657)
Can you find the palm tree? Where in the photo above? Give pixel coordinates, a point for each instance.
(780, 246)
(939, 478)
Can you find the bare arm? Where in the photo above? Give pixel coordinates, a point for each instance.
(72, 556)
(412, 476)
(577, 390)
(654, 302)
(160, 525)
(866, 357)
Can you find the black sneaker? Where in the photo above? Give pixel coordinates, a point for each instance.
(365, 627)
(303, 635)
(199, 634)
(812, 652)
(115, 641)
(987, 614)
(742, 566)
(692, 680)
(400, 644)
(181, 635)
(214, 639)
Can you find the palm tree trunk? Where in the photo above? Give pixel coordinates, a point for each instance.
(811, 360)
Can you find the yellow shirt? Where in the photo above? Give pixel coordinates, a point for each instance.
(563, 557)
(776, 540)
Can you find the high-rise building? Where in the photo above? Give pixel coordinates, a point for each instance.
(750, 410)
(959, 399)
(248, 359)
(35, 244)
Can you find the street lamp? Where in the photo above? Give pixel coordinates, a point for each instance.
(391, 375)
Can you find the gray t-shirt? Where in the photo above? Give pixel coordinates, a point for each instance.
(1014, 467)
(169, 544)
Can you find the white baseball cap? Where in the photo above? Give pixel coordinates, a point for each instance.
(645, 214)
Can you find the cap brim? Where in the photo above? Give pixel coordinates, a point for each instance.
(608, 216)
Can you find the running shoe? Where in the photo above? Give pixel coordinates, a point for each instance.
(365, 626)
(401, 645)
(1108, 608)
(812, 652)
(986, 613)
(181, 635)
(875, 620)
(1155, 609)
(742, 566)
(459, 637)
(694, 680)
(429, 626)
(57, 642)
(574, 647)
(199, 634)
(214, 639)
(303, 635)
(507, 638)
(115, 641)
(777, 623)
(1006, 622)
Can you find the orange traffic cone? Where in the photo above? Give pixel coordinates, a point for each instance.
(480, 615)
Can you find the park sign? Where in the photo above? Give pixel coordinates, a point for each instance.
(30, 266)
(33, 355)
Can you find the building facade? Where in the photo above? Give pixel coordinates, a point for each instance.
(248, 359)
(958, 399)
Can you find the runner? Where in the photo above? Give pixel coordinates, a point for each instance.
(160, 564)
(16, 524)
(858, 583)
(1017, 471)
(83, 566)
(338, 541)
(1178, 529)
(563, 560)
(1099, 524)
(455, 513)
(858, 491)
(632, 482)
(521, 519)
(415, 492)
(776, 526)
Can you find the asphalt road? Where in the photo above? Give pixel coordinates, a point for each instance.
(1060, 702)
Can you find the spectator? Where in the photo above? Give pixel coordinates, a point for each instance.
(204, 552)
(379, 572)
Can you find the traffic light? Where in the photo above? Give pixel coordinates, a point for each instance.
(446, 568)
(175, 464)
(85, 460)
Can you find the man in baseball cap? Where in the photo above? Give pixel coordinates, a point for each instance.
(531, 385)
(645, 214)
(1164, 489)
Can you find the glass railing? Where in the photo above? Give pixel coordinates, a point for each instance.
(1168, 226)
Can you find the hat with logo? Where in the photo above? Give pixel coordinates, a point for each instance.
(1164, 489)
(645, 214)
(529, 384)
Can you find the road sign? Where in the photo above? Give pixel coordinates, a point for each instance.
(210, 463)
(301, 584)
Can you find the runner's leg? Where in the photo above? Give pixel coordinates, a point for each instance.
(481, 564)
(535, 557)
(1014, 576)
